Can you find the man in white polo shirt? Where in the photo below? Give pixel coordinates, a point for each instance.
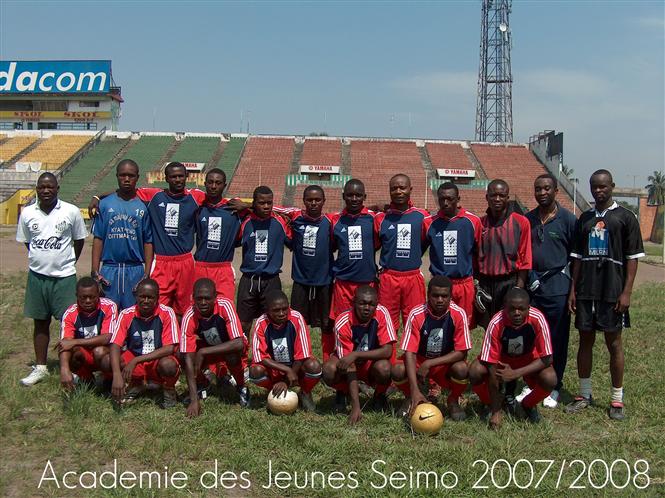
(54, 232)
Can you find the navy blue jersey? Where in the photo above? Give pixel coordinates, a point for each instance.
(355, 241)
(144, 335)
(173, 219)
(312, 254)
(285, 343)
(452, 243)
(401, 237)
(123, 227)
(551, 245)
(262, 242)
(217, 229)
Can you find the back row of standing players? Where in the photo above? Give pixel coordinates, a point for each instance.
(501, 250)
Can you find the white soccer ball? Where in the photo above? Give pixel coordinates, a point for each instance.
(284, 404)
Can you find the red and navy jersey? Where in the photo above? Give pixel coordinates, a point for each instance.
(505, 245)
(452, 243)
(217, 229)
(351, 335)
(355, 241)
(284, 344)
(431, 336)
(173, 219)
(198, 332)
(312, 255)
(77, 324)
(144, 335)
(400, 234)
(262, 243)
(516, 346)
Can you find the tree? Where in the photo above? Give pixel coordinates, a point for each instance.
(656, 188)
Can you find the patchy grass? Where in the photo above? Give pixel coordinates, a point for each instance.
(84, 432)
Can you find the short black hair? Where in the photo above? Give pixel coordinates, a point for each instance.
(439, 281)
(275, 295)
(400, 175)
(47, 175)
(216, 171)
(86, 283)
(130, 162)
(366, 289)
(148, 281)
(496, 182)
(516, 293)
(204, 283)
(549, 176)
(313, 188)
(354, 182)
(261, 190)
(447, 186)
(173, 165)
(599, 172)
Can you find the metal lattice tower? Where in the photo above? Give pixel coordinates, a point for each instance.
(494, 111)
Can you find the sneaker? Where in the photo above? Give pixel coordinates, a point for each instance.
(379, 402)
(531, 414)
(525, 392)
(579, 404)
(510, 404)
(38, 374)
(616, 411)
(243, 394)
(340, 401)
(307, 402)
(133, 392)
(169, 398)
(456, 412)
(552, 401)
(201, 391)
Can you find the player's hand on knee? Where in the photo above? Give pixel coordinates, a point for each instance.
(63, 345)
(279, 388)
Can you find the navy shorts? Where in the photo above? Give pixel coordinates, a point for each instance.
(599, 315)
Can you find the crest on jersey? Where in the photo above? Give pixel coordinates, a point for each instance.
(355, 241)
(403, 248)
(434, 343)
(280, 350)
(214, 232)
(261, 245)
(599, 240)
(309, 240)
(172, 219)
(516, 346)
(364, 343)
(89, 331)
(450, 247)
(148, 339)
(212, 336)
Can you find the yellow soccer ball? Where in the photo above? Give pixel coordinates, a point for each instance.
(284, 404)
(427, 419)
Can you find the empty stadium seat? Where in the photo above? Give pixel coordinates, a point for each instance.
(56, 150)
(14, 145)
(196, 149)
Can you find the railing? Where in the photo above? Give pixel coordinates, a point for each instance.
(69, 163)
(338, 181)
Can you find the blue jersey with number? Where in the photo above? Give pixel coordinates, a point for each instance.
(123, 227)
(217, 229)
(312, 256)
(355, 242)
(262, 243)
(401, 237)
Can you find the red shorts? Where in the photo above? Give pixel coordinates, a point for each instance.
(273, 376)
(175, 276)
(87, 366)
(148, 370)
(437, 374)
(217, 362)
(400, 292)
(464, 295)
(221, 273)
(362, 374)
(342, 296)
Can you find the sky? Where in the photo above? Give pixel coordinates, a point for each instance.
(593, 70)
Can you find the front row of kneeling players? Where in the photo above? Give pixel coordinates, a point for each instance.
(141, 345)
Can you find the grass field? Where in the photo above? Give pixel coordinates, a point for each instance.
(85, 433)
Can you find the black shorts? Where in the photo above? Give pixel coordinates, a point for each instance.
(313, 303)
(599, 315)
(252, 290)
(497, 287)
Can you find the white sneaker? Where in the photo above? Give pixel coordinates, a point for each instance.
(552, 401)
(39, 373)
(525, 392)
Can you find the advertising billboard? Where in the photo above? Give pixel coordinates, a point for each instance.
(18, 77)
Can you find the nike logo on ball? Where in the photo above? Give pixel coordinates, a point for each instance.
(425, 418)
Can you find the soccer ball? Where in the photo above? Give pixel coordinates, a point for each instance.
(426, 419)
(284, 404)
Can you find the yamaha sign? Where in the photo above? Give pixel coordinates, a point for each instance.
(54, 77)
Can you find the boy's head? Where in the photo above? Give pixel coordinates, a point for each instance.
(215, 183)
(365, 302)
(439, 292)
(314, 198)
(516, 306)
(87, 294)
(277, 307)
(354, 195)
(147, 297)
(175, 174)
(204, 295)
(262, 201)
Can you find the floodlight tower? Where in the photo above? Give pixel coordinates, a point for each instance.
(494, 111)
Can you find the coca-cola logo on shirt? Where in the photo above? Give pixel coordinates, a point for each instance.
(47, 244)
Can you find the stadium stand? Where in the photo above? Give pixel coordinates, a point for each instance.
(56, 150)
(448, 156)
(14, 146)
(519, 167)
(84, 171)
(231, 156)
(319, 152)
(265, 161)
(196, 150)
(376, 161)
